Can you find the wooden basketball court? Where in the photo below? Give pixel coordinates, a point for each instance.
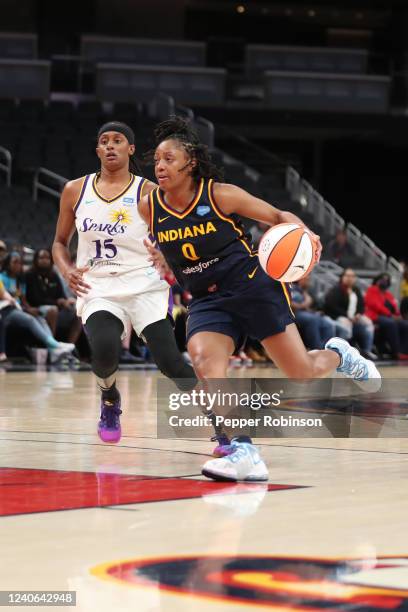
(136, 527)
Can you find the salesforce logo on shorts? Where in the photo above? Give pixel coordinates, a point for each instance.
(203, 265)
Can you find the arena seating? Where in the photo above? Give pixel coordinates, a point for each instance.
(95, 48)
(26, 222)
(59, 136)
(14, 45)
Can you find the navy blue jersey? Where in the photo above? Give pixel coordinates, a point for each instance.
(206, 249)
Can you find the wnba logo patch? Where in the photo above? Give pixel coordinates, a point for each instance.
(203, 210)
(366, 585)
(128, 201)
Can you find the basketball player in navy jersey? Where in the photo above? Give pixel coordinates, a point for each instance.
(113, 279)
(194, 220)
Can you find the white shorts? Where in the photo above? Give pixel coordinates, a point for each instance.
(137, 298)
(139, 310)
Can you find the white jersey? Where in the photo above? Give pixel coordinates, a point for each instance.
(110, 232)
(110, 243)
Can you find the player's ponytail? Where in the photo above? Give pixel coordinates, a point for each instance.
(177, 128)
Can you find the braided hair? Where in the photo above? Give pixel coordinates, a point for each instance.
(34, 265)
(177, 128)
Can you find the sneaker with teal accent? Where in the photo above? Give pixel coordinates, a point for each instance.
(355, 366)
(243, 464)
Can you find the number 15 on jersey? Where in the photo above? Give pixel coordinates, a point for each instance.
(105, 249)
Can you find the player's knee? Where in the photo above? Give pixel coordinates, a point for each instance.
(199, 359)
(168, 365)
(207, 365)
(160, 340)
(105, 354)
(103, 331)
(174, 367)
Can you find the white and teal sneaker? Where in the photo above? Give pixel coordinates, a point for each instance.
(244, 463)
(355, 366)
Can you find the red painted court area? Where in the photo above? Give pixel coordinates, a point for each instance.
(25, 491)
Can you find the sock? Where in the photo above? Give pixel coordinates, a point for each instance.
(335, 350)
(110, 394)
(106, 383)
(217, 428)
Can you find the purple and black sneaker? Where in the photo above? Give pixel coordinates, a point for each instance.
(224, 447)
(109, 429)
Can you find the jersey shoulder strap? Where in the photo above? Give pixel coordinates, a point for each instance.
(85, 181)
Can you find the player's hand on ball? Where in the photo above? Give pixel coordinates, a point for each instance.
(74, 278)
(157, 258)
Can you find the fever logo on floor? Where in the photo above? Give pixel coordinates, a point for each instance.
(314, 584)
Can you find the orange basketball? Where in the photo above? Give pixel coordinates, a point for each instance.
(286, 252)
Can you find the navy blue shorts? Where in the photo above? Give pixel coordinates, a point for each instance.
(257, 307)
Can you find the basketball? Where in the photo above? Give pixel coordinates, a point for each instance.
(286, 252)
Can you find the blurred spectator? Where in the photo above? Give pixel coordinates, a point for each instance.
(339, 250)
(315, 329)
(3, 251)
(25, 253)
(382, 308)
(257, 231)
(255, 351)
(345, 304)
(404, 292)
(404, 281)
(45, 295)
(3, 356)
(12, 275)
(13, 316)
(240, 357)
(13, 280)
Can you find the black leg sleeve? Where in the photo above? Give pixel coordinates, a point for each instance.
(104, 331)
(159, 337)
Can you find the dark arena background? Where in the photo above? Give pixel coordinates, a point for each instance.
(305, 106)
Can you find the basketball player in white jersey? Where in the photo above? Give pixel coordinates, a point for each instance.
(113, 278)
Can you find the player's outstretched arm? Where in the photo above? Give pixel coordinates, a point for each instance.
(63, 234)
(232, 199)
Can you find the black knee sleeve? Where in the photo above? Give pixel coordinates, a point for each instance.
(104, 331)
(160, 340)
